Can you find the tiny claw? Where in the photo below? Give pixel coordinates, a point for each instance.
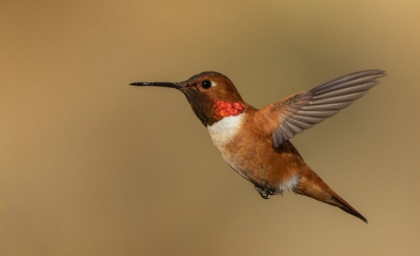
(265, 196)
(263, 193)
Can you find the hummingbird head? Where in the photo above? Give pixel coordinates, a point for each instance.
(212, 96)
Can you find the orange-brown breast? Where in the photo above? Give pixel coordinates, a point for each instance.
(251, 154)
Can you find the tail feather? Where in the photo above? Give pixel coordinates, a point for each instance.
(343, 205)
(311, 185)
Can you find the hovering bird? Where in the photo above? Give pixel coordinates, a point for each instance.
(255, 142)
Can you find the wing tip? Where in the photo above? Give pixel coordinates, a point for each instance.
(374, 73)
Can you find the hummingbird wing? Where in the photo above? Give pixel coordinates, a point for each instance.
(303, 110)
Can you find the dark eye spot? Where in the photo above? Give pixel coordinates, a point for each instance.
(206, 84)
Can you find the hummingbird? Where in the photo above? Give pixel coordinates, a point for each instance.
(256, 142)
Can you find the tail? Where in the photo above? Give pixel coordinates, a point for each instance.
(311, 185)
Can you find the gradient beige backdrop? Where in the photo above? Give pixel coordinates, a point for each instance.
(92, 166)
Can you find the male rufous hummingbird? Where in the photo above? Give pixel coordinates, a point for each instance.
(255, 142)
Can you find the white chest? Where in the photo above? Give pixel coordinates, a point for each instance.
(225, 130)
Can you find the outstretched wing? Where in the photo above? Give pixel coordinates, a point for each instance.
(303, 110)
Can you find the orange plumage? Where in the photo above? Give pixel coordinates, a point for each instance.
(255, 142)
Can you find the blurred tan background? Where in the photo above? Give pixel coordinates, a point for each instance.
(92, 166)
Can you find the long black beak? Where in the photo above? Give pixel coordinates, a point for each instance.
(161, 84)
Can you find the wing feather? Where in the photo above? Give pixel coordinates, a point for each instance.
(302, 111)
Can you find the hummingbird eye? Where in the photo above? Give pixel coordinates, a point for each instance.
(206, 84)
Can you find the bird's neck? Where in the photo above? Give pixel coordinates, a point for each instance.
(223, 109)
(210, 110)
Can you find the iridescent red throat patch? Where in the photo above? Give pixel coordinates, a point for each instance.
(224, 109)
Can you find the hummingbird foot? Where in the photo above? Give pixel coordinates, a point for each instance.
(265, 192)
